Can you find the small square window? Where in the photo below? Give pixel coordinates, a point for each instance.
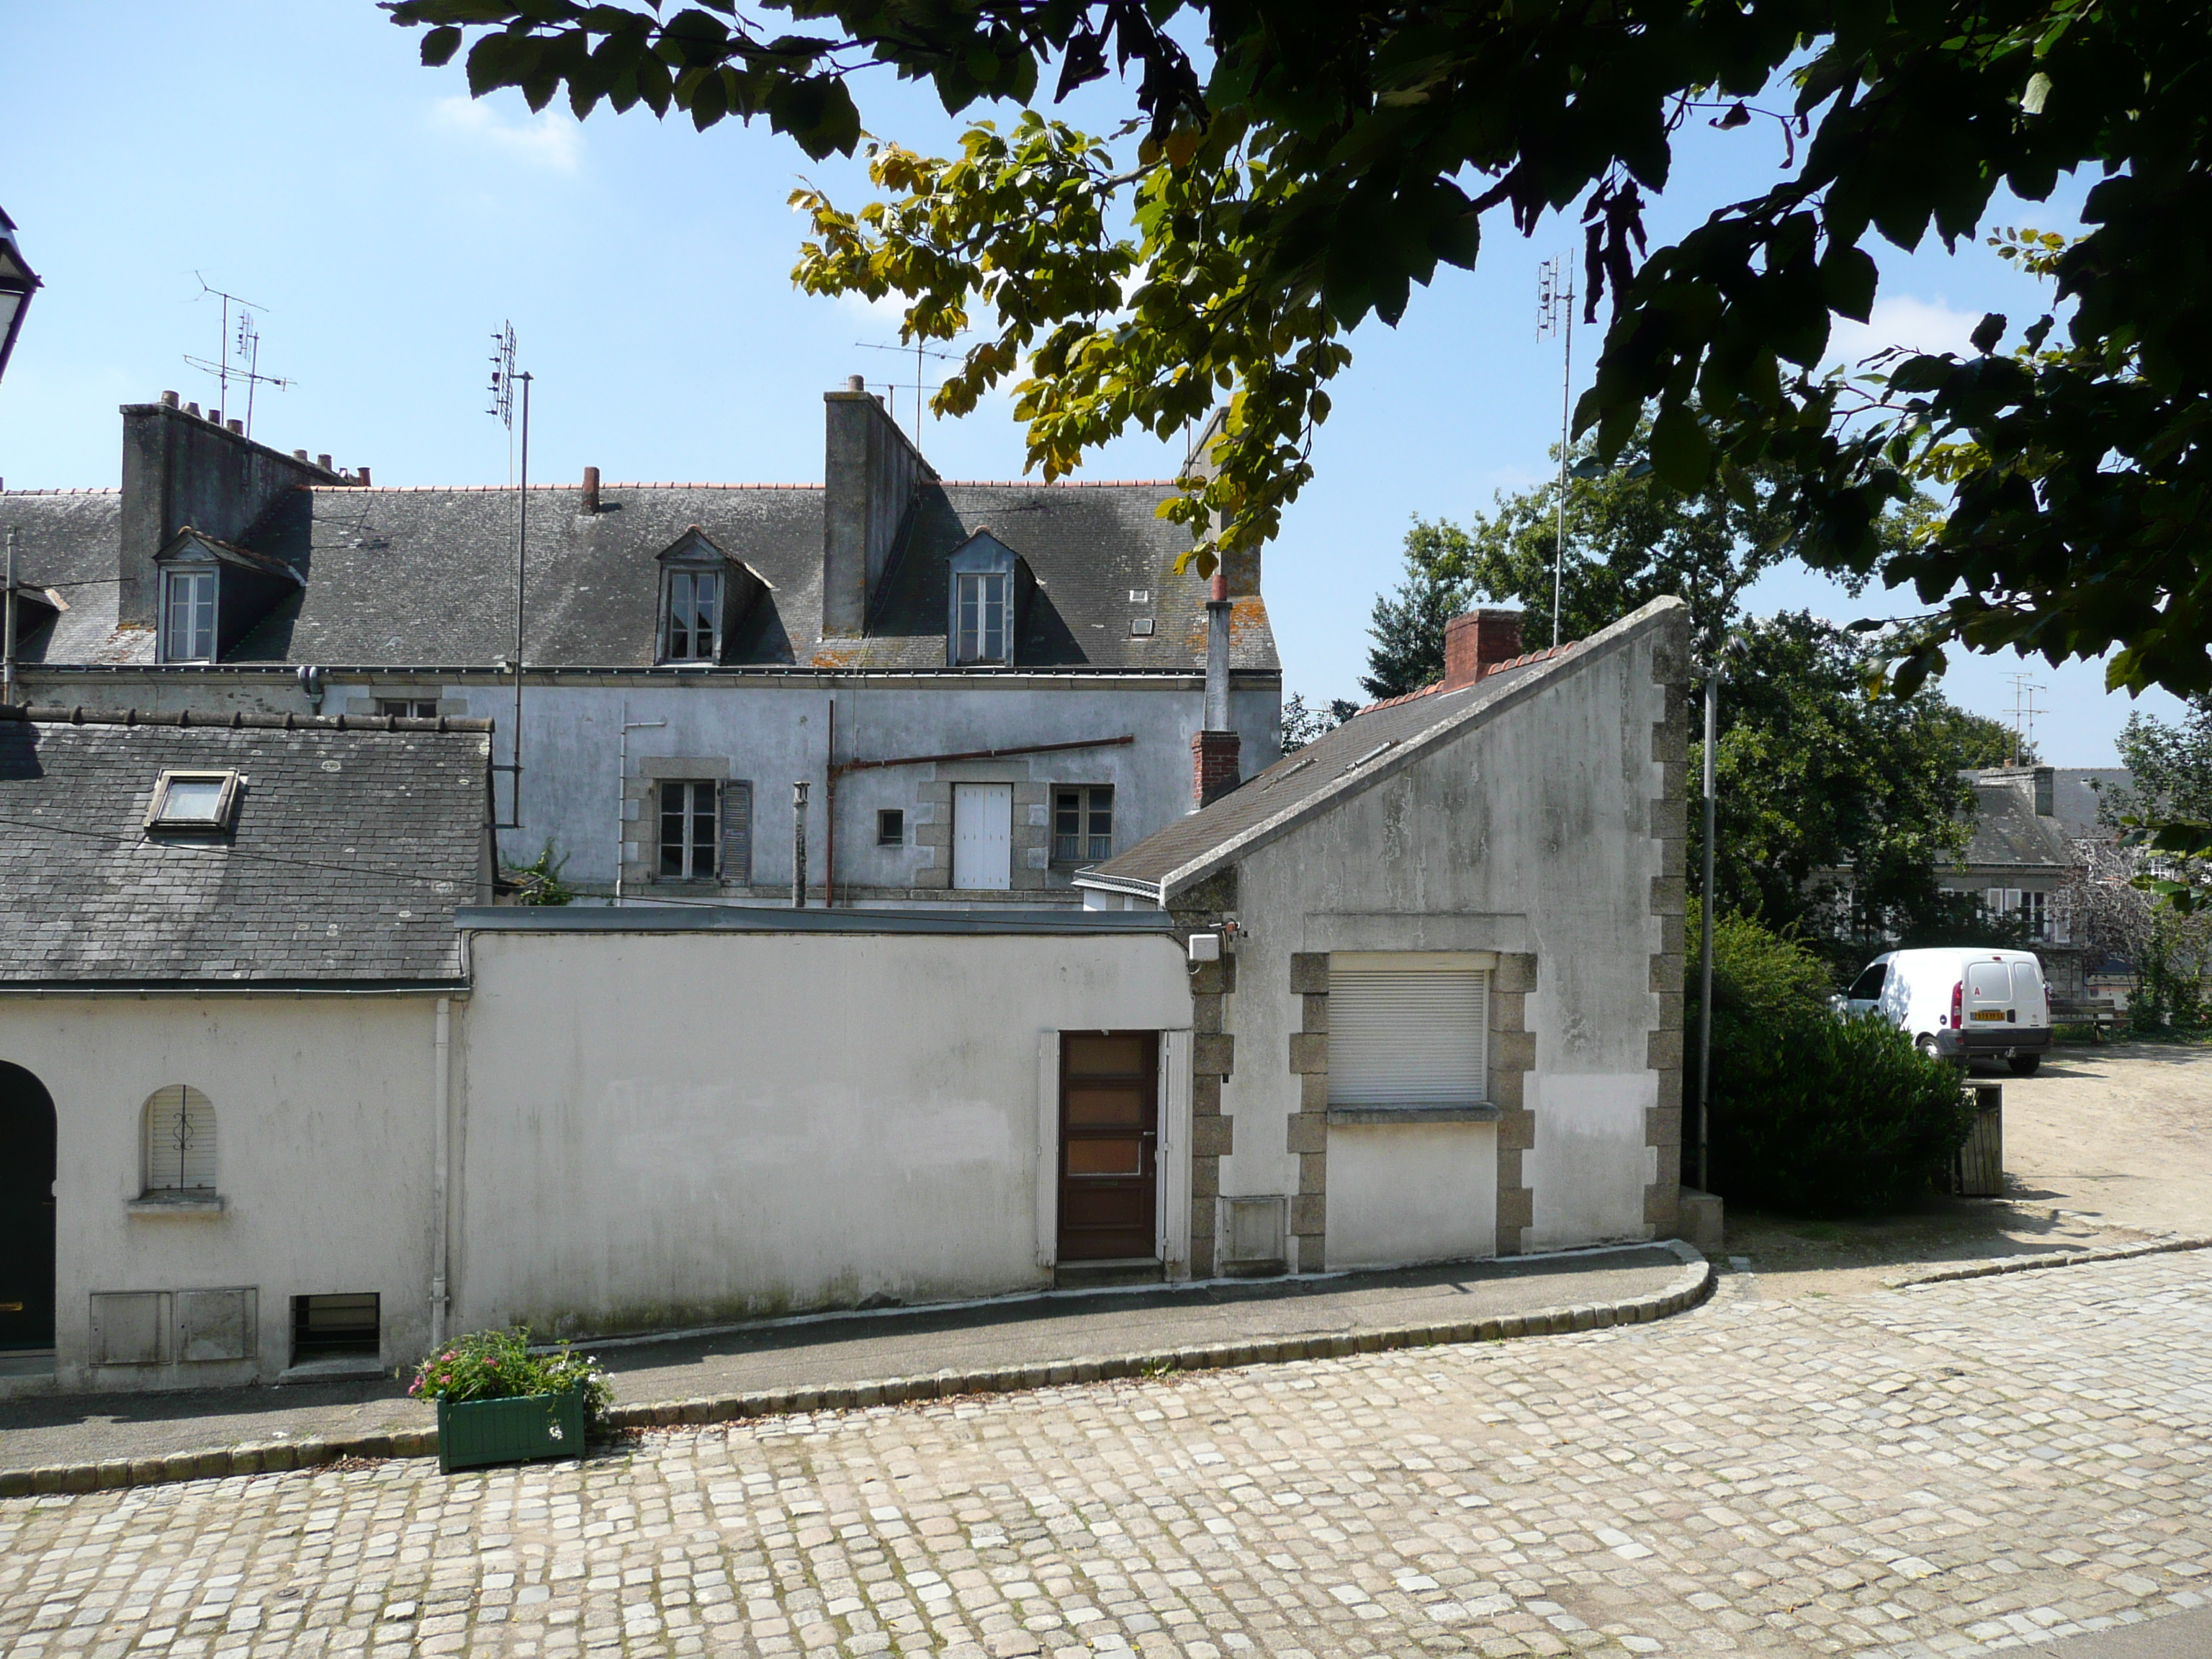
(1140, 627)
(193, 800)
(409, 708)
(891, 827)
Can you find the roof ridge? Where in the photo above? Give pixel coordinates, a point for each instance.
(1058, 483)
(501, 489)
(83, 490)
(58, 714)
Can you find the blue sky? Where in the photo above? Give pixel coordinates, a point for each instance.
(297, 155)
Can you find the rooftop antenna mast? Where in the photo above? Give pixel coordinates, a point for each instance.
(1555, 314)
(2024, 711)
(504, 376)
(919, 352)
(237, 354)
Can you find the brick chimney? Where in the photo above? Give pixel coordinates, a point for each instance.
(589, 501)
(1476, 642)
(872, 475)
(1217, 766)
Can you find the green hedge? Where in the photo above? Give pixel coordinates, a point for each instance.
(1812, 1112)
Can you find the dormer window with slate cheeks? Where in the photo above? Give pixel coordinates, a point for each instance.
(213, 595)
(704, 596)
(989, 587)
(203, 803)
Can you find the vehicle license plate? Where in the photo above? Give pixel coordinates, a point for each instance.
(1988, 1013)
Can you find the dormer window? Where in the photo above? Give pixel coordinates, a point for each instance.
(188, 615)
(695, 614)
(202, 801)
(983, 619)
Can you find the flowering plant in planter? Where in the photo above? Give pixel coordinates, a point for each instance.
(498, 1365)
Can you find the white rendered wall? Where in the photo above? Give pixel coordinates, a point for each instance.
(679, 1128)
(1425, 1192)
(325, 1146)
(1530, 833)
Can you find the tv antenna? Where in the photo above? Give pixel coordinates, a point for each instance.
(504, 375)
(237, 354)
(2024, 711)
(1555, 314)
(919, 352)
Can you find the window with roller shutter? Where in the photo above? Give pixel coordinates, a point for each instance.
(1410, 1034)
(179, 1150)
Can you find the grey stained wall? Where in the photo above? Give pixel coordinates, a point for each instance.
(1552, 835)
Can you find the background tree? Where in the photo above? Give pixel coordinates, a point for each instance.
(1332, 155)
(1301, 725)
(1407, 626)
(2166, 809)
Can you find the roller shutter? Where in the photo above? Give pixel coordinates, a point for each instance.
(1408, 1037)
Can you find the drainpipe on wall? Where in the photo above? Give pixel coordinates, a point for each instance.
(7, 650)
(830, 816)
(443, 1095)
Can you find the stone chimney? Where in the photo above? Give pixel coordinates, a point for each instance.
(1216, 766)
(872, 475)
(2046, 782)
(180, 469)
(1241, 568)
(1476, 642)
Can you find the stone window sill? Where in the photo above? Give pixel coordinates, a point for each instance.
(1473, 1111)
(210, 1205)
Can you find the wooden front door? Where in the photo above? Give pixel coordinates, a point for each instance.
(1110, 1134)
(27, 1211)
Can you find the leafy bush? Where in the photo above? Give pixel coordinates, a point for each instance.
(1811, 1112)
(498, 1365)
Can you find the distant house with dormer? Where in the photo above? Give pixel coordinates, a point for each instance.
(985, 687)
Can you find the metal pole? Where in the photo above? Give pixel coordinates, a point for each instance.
(1559, 515)
(799, 845)
(522, 572)
(1705, 930)
(8, 653)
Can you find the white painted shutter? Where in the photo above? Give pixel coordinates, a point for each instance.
(179, 1141)
(1400, 1037)
(983, 836)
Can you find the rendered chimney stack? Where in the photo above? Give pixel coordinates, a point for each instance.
(590, 502)
(1476, 642)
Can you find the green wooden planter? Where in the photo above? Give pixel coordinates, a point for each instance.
(472, 1433)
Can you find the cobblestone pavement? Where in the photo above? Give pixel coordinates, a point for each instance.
(1951, 1469)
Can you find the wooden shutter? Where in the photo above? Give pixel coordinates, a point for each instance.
(1408, 1036)
(738, 832)
(179, 1141)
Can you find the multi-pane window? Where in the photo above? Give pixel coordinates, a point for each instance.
(409, 708)
(179, 1150)
(982, 618)
(1083, 824)
(695, 599)
(689, 829)
(188, 617)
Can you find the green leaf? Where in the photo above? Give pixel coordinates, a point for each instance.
(439, 47)
(1681, 455)
(1848, 278)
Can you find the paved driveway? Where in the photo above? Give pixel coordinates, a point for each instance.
(1952, 1469)
(2123, 1132)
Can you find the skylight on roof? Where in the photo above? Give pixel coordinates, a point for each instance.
(193, 800)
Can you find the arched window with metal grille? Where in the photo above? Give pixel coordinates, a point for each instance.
(179, 1141)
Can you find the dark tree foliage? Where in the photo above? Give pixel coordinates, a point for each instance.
(2167, 809)
(1334, 152)
(1408, 627)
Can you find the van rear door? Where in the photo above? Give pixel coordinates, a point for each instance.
(2028, 1004)
(1989, 995)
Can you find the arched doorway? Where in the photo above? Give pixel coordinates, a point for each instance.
(27, 1211)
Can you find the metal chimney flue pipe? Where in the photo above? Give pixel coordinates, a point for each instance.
(799, 845)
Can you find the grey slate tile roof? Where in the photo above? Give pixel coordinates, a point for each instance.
(2009, 831)
(426, 577)
(1365, 749)
(351, 852)
(68, 542)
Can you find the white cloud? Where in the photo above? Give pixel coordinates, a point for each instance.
(1902, 321)
(549, 139)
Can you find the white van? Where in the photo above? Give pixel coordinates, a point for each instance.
(1960, 1004)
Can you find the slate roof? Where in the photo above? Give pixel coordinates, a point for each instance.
(350, 852)
(2009, 832)
(400, 577)
(1372, 745)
